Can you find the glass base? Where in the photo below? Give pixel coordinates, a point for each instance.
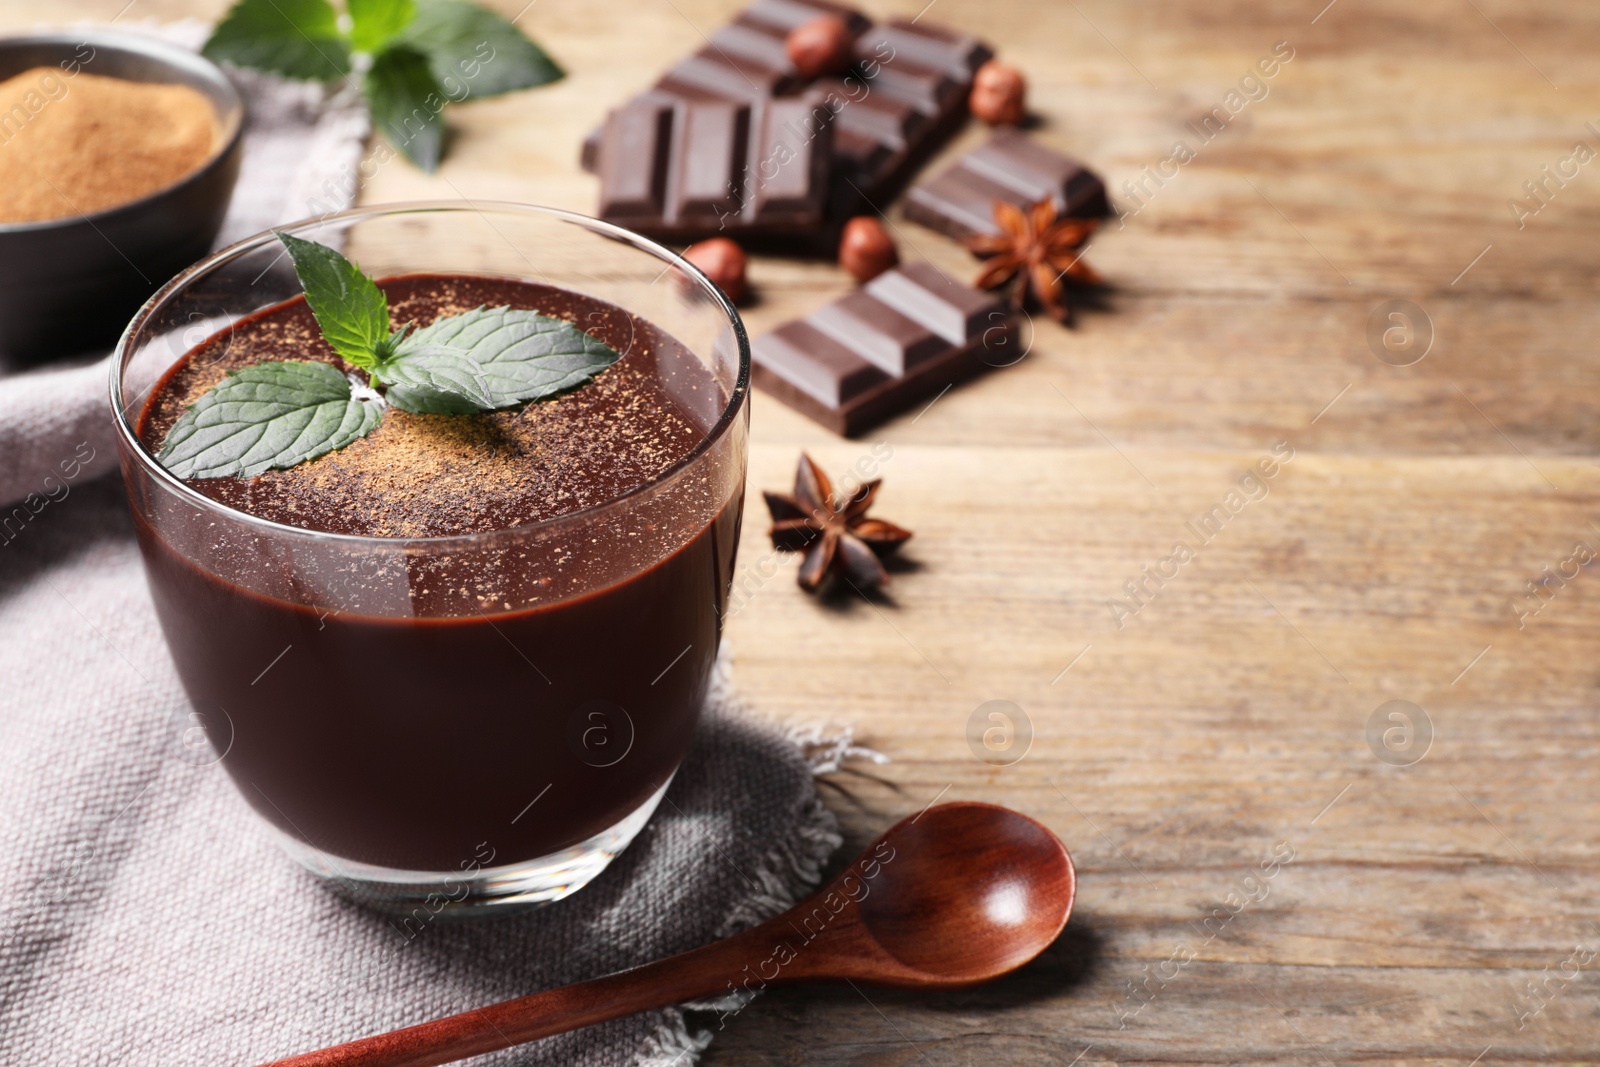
(428, 894)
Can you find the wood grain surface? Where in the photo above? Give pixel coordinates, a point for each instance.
(1441, 911)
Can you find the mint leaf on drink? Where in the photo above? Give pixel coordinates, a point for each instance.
(295, 38)
(274, 415)
(265, 417)
(407, 104)
(434, 380)
(350, 308)
(522, 355)
(374, 23)
(424, 54)
(483, 360)
(475, 53)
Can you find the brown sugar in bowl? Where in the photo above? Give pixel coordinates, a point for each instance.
(70, 284)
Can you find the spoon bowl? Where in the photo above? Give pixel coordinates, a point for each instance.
(975, 891)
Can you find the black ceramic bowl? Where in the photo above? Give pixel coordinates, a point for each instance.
(70, 285)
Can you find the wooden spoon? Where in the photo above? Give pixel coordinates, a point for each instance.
(957, 895)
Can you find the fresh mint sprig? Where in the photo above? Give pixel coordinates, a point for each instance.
(416, 57)
(272, 416)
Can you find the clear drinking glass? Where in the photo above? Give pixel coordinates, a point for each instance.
(457, 748)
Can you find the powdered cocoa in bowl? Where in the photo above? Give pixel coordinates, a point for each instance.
(118, 157)
(79, 144)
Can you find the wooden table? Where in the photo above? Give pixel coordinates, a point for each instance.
(1227, 720)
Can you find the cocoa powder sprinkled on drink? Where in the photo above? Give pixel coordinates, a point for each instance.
(441, 475)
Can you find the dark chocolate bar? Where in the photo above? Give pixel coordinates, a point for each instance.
(1014, 168)
(682, 169)
(877, 350)
(903, 99)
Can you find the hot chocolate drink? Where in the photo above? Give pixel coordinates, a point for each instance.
(523, 663)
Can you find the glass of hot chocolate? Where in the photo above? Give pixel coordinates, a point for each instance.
(458, 660)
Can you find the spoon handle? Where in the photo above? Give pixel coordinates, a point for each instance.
(697, 973)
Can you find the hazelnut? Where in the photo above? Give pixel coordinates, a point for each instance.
(999, 94)
(723, 262)
(821, 46)
(866, 250)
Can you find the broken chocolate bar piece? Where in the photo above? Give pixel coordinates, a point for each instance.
(900, 103)
(1014, 168)
(906, 98)
(748, 58)
(683, 169)
(745, 61)
(906, 335)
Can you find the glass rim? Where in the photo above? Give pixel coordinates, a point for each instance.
(120, 356)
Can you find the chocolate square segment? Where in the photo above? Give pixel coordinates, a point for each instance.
(817, 364)
(958, 313)
(714, 139)
(789, 173)
(681, 169)
(780, 16)
(711, 75)
(959, 202)
(1013, 168)
(753, 47)
(931, 47)
(879, 333)
(876, 351)
(640, 132)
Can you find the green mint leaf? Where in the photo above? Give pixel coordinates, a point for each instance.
(520, 355)
(295, 38)
(434, 380)
(349, 306)
(406, 102)
(267, 416)
(476, 53)
(374, 23)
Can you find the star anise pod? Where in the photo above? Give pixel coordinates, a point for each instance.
(833, 532)
(1033, 251)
